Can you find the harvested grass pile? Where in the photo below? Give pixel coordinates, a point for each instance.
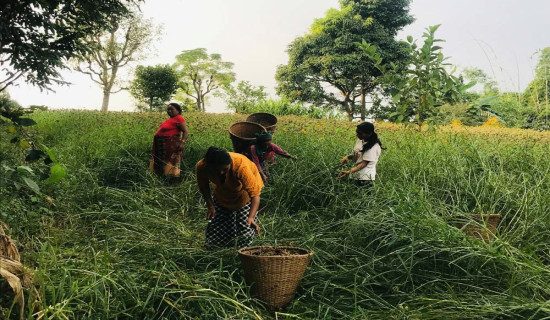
(11, 269)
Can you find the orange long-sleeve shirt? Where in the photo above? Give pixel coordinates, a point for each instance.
(243, 181)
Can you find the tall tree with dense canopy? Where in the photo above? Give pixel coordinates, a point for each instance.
(537, 93)
(114, 49)
(154, 85)
(244, 97)
(326, 66)
(201, 74)
(37, 37)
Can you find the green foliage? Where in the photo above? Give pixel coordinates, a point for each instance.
(9, 108)
(119, 243)
(201, 74)
(154, 85)
(424, 83)
(244, 97)
(283, 107)
(536, 96)
(327, 68)
(38, 36)
(23, 144)
(480, 77)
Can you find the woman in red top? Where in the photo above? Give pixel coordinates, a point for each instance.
(168, 143)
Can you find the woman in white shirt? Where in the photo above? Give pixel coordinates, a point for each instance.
(365, 154)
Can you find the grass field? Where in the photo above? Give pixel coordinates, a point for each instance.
(118, 243)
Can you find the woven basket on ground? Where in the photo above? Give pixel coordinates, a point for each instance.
(244, 133)
(482, 226)
(274, 272)
(267, 120)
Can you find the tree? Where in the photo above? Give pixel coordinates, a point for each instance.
(424, 84)
(537, 94)
(201, 74)
(154, 85)
(326, 66)
(479, 76)
(244, 96)
(114, 49)
(37, 37)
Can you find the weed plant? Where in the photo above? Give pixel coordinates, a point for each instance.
(119, 243)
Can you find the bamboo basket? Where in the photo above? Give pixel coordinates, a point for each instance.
(243, 134)
(267, 120)
(274, 278)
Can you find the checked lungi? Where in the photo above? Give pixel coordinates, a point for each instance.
(229, 228)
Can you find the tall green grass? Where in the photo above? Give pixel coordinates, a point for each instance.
(120, 243)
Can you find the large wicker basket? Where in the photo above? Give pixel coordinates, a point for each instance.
(244, 133)
(274, 278)
(267, 120)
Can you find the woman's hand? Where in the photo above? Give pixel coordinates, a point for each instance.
(181, 145)
(344, 160)
(254, 225)
(344, 173)
(264, 176)
(211, 213)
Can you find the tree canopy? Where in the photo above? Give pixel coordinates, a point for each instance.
(326, 66)
(423, 83)
(537, 93)
(244, 97)
(154, 85)
(201, 74)
(36, 37)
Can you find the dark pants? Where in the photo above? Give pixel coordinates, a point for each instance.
(367, 184)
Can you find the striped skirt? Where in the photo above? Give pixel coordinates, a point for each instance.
(166, 155)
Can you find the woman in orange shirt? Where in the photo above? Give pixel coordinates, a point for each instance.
(237, 186)
(168, 143)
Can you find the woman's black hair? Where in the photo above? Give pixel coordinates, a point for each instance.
(263, 137)
(176, 106)
(217, 157)
(367, 127)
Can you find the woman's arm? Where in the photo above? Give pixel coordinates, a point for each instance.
(182, 126)
(204, 188)
(358, 167)
(346, 158)
(254, 205)
(280, 151)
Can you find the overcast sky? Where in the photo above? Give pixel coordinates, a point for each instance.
(499, 36)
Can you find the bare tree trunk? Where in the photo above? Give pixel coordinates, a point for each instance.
(106, 96)
(199, 104)
(203, 107)
(363, 105)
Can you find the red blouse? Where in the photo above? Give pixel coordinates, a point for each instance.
(169, 127)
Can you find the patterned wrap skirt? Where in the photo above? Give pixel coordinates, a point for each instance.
(166, 155)
(229, 228)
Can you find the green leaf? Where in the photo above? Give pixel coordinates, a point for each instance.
(25, 122)
(57, 172)
(24, 144)
(396, 98)
(32, 184)
(23, 169)
(50, 154)
(410, 39)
